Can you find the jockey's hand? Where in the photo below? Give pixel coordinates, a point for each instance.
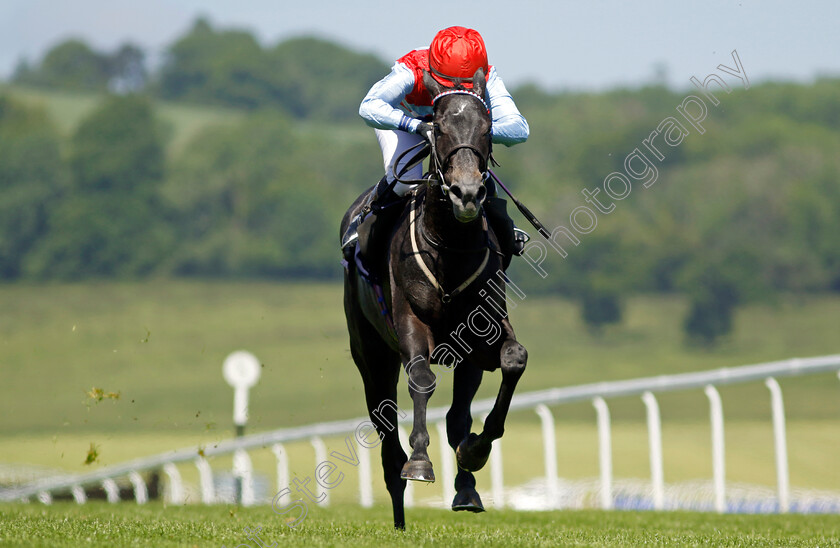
(426, 131)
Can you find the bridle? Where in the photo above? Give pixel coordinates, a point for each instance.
(438, 165)
(435, 176)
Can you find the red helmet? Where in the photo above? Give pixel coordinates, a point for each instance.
(455, 54)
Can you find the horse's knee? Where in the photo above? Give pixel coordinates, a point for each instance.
(421, 379)
(423, 382)
(514, 358)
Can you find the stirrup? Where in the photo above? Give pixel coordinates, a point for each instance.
(520, 238)
(351, 235)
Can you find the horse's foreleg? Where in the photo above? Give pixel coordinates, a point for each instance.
(473, 451)
(421, 385)
(458, 423)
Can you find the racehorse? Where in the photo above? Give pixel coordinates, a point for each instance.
(441, 263)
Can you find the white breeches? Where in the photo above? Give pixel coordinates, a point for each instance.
(394, 143)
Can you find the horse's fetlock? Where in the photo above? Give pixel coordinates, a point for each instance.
(419, 440)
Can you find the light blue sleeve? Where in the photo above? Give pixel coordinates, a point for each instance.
(509, 126)
(379, 107)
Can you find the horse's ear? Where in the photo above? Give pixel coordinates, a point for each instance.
(479, 82)
(431, 84)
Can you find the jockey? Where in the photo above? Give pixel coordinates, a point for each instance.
(398, 107)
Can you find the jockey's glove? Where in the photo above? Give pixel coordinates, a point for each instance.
(427, 131)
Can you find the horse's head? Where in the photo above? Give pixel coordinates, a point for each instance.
(462, 143)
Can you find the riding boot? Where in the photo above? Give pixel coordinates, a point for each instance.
(373, 219)
(511, 239)
(374, 230)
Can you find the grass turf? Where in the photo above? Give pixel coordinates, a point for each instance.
(100, 524)
(161, 345)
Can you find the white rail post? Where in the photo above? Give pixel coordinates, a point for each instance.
(408, 496)
(205, 478)
(282, 468)
(79, 494)
(497, 474)
(244, 470)
(604, 451)
(320, 456)
(140, 493)
(112, 492)
(655, 441)
(365, 477)
(718, 462)
(497, 478)
(176, 486)
(782, 477)
(447, 462)
(549, 455)
(45, 497)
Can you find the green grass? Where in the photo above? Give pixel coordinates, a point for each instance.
(161, 345)
(99, 524)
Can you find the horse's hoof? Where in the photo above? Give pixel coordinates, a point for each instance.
(467, 499)
(469, 457)
(418, 470)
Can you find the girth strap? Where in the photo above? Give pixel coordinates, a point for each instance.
(444, 296)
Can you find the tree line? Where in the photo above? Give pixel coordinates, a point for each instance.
(744, 212)
(303, 77)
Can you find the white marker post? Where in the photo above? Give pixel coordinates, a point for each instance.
(242, 371)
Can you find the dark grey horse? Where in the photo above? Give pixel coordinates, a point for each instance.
(444, 286)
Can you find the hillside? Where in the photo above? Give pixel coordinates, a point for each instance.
(67, 109)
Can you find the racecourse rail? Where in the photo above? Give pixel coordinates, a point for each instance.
(539, 401)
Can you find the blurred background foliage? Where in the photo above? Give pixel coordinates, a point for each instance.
(236, 160)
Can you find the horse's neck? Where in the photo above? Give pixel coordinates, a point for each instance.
(440, 224)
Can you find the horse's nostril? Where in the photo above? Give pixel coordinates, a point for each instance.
(456, 190)
(482, 193)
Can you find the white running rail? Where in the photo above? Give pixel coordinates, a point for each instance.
(597, 393)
